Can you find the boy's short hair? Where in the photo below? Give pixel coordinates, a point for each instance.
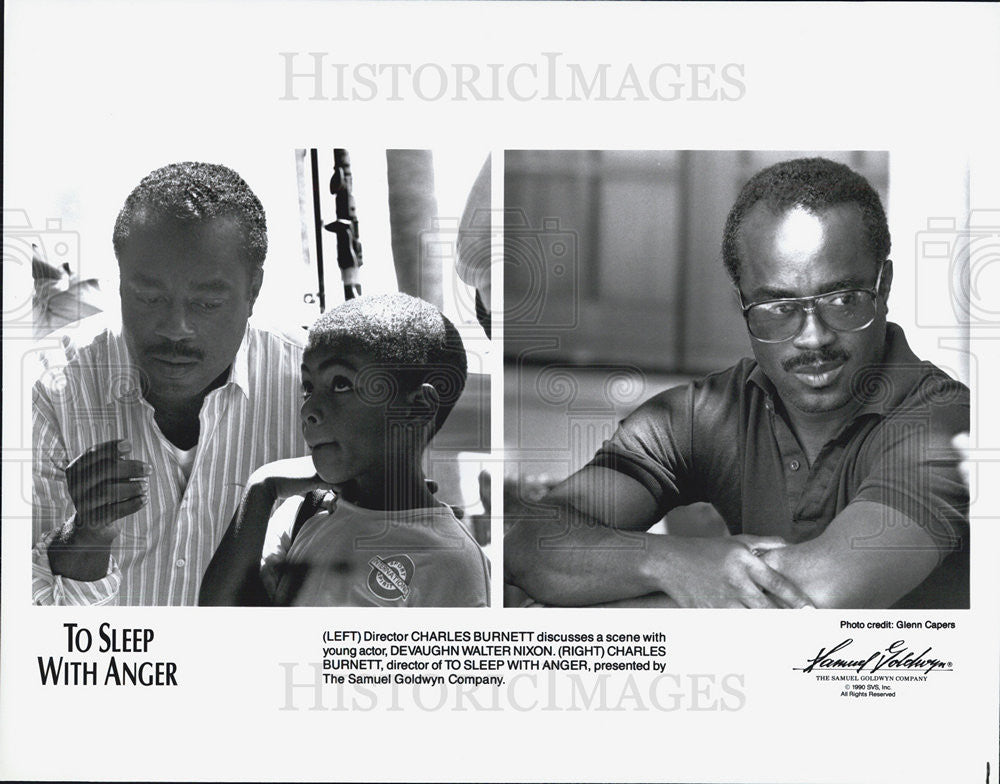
(407, 338)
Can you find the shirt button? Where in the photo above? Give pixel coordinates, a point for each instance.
(180, 562)
(794, 465)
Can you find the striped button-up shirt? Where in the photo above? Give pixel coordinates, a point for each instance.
(90, 394)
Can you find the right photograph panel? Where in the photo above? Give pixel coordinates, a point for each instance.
(725, 387)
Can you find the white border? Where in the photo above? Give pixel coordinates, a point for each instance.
(99, 93)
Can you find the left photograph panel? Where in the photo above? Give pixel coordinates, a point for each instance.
(260, 380)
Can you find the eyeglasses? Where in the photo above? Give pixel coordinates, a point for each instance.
(776, 320)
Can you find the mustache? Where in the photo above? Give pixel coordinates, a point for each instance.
(178, 350)
(812, 358)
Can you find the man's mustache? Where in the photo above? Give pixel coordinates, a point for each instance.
(813, 358)
(170, 349)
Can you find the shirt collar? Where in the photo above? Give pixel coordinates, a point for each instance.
(125, 374)
(882, 386)
(885, 385)
(240, 373)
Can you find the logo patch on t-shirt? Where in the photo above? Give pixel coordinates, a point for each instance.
(390, 577)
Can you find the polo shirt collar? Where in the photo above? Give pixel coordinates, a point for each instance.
(883, 386)
(886, 385)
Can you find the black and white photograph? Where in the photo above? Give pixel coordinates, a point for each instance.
(379, 377)
(187, 453)
(818, 466)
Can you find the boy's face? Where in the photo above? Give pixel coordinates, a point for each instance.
(345, 414)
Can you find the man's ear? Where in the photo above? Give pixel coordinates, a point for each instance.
(886, 280)
(256, 279)
(424, 402)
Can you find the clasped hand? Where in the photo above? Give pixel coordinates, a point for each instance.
(728, 572)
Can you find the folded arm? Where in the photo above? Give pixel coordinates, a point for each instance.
(571, 556)
(588, 545)
(869, 556)
(872, 554)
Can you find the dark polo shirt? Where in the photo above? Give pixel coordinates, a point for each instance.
(725, 439)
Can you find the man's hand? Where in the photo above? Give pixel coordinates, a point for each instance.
(727, 572)
(104, 486)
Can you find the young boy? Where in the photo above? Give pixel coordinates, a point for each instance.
(379, 377)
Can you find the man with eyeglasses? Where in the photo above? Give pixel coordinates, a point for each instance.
(828, 455)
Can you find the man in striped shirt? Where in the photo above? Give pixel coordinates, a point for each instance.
(146, 428)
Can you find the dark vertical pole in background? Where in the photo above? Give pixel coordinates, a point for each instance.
(318, 225)
(345, 226)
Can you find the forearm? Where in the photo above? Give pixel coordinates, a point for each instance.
(650, 600)
(575, 561)
(233, 576)
(71, 553)
(816, 573)
(48, 588)
(869, 557)
(73, 557)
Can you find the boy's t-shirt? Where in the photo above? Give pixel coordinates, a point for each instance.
(363, 557)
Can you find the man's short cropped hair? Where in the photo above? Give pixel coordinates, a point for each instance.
(192, 192)
(408, 339)
(814, 184)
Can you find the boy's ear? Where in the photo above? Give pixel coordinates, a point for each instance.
(424, 401)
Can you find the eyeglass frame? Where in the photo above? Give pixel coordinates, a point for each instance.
(808, 305)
